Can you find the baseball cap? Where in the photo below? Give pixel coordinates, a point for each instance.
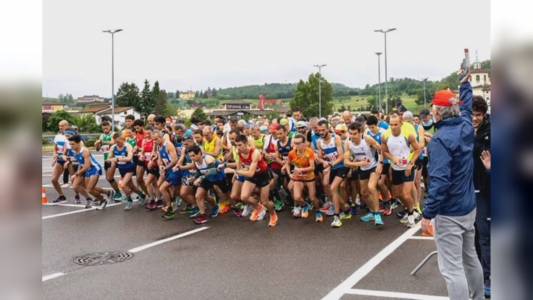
(300, 124)
(284, 122)
(274, 127)
(443, 98)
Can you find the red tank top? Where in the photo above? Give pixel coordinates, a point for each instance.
(262, 165)
(271, 149)
(148, 147)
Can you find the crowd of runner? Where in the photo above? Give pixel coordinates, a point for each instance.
(328, 167)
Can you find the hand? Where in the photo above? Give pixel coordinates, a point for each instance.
(366, 163)
(485, 159)
(409, 170)
(427, 227)
(396, 160)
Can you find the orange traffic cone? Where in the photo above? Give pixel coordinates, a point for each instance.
(44, 199)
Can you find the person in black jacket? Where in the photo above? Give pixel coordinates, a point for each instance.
(481, 123)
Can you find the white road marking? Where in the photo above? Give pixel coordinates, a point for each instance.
(396, 295)
(76, 211)
(156, 243)
(360, 273)
(52, 276)
(64, 204)
(418, 237)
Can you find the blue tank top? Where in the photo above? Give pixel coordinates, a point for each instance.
(94, 163)
(165, 156)
(284, 150)
(122, 153)
(330, 152)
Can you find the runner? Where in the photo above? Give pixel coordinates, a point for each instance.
(121, 154)
(61, 146)
(86, 178)
(331, 157)
(360, 155)
(420, 133)
(301, 166)
(169, 179)
(396, 146)
(254, 168)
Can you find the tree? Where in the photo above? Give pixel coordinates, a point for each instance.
(177, 94)
(128, 95)
(147, 101)
(86, 123)
(160, 98)
(198, 116)
(306, 96)
(57, 117)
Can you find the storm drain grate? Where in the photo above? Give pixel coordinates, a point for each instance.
(102, 258)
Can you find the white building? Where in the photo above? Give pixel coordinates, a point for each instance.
(101, 111)
(481, 84)
(90, 99)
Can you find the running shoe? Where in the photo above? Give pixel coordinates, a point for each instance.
(169, 215)
(254, 216)
(142, 199)
(102, 204)
(178, 202)
(278, 205)
(411, 220)
(224, 207)
(60, 199)
(239, 205)
(247, 210)
(378, 221)
(129, 205)
(401, 214)
(273, 219)
(318, 217)
(110, 194)
(65, 185)
(200, 219)
(387, 208)
(297, 212)
(418, 215)
(261, 215)
(326, 207)
(369, 217)
(395, 203)
(185, 210)
(404, 218)
(118, 197)
(345, 215)
(336, 222)
(151, 205)
(88, 203)
(305, 210)
(214, 211)
(77, 199)
(159, 203)
(195, 212)
(353, 209)
(236, 211)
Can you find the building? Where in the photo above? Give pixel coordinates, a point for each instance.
(188, 95)
(101, 111)
(481, 84)
(52, 107)
(240, 109)
(90, 98)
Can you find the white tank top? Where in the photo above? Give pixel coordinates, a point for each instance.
(362, 152)
(398, 147)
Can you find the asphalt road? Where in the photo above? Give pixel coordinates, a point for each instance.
(230, 258)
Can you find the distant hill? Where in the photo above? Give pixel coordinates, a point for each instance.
(275, 91)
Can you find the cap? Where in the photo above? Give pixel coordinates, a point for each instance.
(443, 98)
(284, 122)
(300, 124)
(274, 128)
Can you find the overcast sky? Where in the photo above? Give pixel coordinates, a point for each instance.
(197, 44)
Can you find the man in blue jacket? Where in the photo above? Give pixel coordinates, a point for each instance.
(450, 199)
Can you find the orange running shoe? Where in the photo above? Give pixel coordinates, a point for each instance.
(258, 213)
(273, 220)
(224, 207)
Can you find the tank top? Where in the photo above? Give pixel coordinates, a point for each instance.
(209, 147)
(362, 152)
(399, 147)
(106, 143)
(165, 156)
(330, 152)
(259, 142)
(122, 153)
(270, 148)
(284, 150)
(93, 161)
(262, 165)
(148, 148)
(423, 153)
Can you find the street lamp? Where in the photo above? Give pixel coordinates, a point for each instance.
(379, 80)
(112, 32)
(319, 88)
(385, 37)
(425, 79)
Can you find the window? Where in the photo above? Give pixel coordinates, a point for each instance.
(477, 78)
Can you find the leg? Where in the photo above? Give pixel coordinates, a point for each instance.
(471, 263)
(337, 199)
(246, 193)
(140, 179)
(56, 173)
(200, 196)
(297, 193)
(373, 196)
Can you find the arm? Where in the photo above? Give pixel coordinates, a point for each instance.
(416, 147)
(173, 155)
(373, 144)
(87, 165)
(129, 157)
(340, 151)
(465, 95)
(439, 178)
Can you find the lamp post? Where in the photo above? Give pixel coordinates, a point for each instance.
(379, 80)
(385, 38)
(319, 88)
(112, 32)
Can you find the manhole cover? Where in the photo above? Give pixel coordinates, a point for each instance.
(102, 258)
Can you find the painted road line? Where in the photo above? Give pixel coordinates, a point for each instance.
(76, 212)
(65, 204)
(52, 276)
(418, 237)
(360, 273)
(157, 243)
(395, 295)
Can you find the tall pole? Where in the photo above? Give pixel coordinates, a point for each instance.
(379, 80)
(425, 79)
(112, 32)
(320, 89)
(386, 77)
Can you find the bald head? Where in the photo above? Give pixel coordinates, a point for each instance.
(347, 117)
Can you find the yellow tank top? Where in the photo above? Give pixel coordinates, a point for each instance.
(260, 142)
(209, 147)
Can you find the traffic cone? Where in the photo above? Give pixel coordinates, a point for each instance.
(44, 199)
